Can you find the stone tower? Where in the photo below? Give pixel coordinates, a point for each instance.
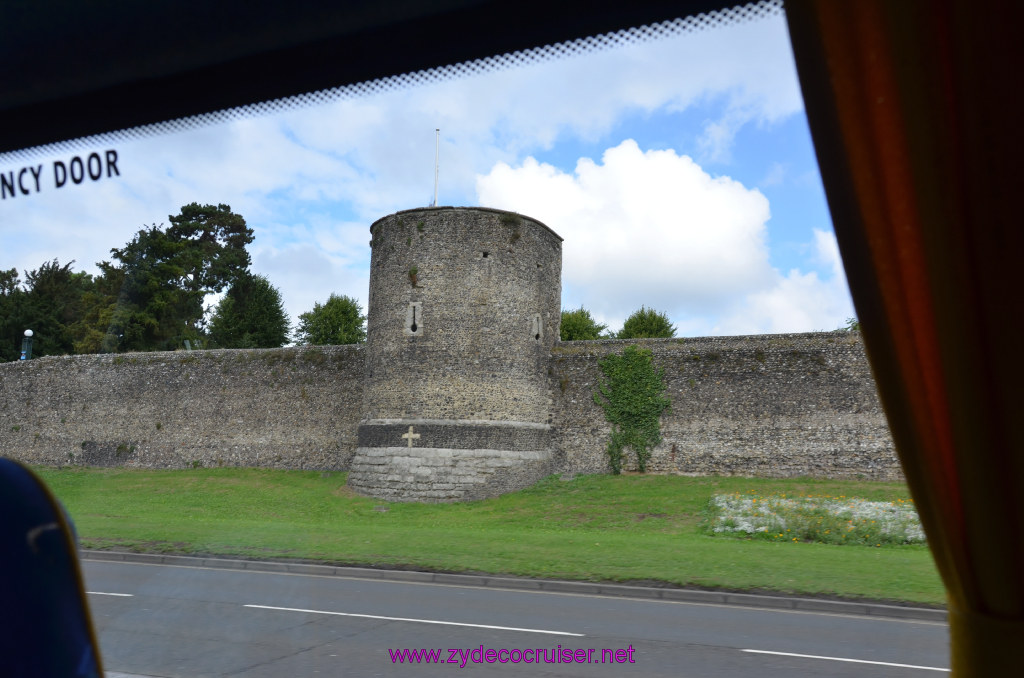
(464, 309)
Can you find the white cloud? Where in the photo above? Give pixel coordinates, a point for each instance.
(643, 228)
(310, 181)
(305, 274)
(798, 302)
(653, 228)
(826, 252)
(745, 70)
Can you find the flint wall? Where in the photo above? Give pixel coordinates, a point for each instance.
(769, 405)
(280, 408)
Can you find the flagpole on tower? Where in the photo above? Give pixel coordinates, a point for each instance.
(437, 138)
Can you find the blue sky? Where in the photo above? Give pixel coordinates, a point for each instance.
(679, 171)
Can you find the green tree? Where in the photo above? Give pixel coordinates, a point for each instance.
(251, 315)
(339, 321)
(12, 321)
(579, 326)
(48, 301)
(153, 296)
(632, 394)
(212, 243)
(53, 305)
(91, 333)
(647, 324)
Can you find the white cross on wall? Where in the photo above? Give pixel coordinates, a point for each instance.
(410, 436)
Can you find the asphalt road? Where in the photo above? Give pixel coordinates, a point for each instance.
(161, 620)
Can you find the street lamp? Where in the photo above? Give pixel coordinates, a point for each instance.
(26, 346)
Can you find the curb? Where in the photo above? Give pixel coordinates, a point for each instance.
(525, 584)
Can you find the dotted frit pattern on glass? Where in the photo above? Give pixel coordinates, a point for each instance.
(562, 50)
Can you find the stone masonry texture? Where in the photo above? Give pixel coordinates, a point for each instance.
(463, 314)
(480, 277)
(279, 408)
(768, 405)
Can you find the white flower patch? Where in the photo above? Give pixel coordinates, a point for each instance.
(750, 514)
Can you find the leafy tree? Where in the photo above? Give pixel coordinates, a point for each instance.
(852, 325)
(48, 301)
(149, 308)
(251, 315)
(12, 322)
(578, 325)
(647, 324)
(53, 304)
(339, 321)
(91, 334)
(154, 293)
(9, 281)
(211, 244)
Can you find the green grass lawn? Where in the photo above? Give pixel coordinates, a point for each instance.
(626, 528)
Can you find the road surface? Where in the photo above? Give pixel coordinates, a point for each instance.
(162, 620)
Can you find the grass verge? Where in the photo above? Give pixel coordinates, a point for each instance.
(595, 528)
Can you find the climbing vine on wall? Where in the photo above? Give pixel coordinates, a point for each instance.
(632, 394)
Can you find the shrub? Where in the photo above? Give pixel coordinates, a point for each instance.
(647, 324)
(339, 321)
(579, 326)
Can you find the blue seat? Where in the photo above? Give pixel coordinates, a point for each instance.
(45, 628)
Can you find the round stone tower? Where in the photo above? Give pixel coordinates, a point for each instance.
(463, 312)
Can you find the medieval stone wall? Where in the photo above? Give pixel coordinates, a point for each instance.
(280, 408)
(766, 405)
(772, 405)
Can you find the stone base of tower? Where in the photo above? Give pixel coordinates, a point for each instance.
(436, 460)
(433, 474)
